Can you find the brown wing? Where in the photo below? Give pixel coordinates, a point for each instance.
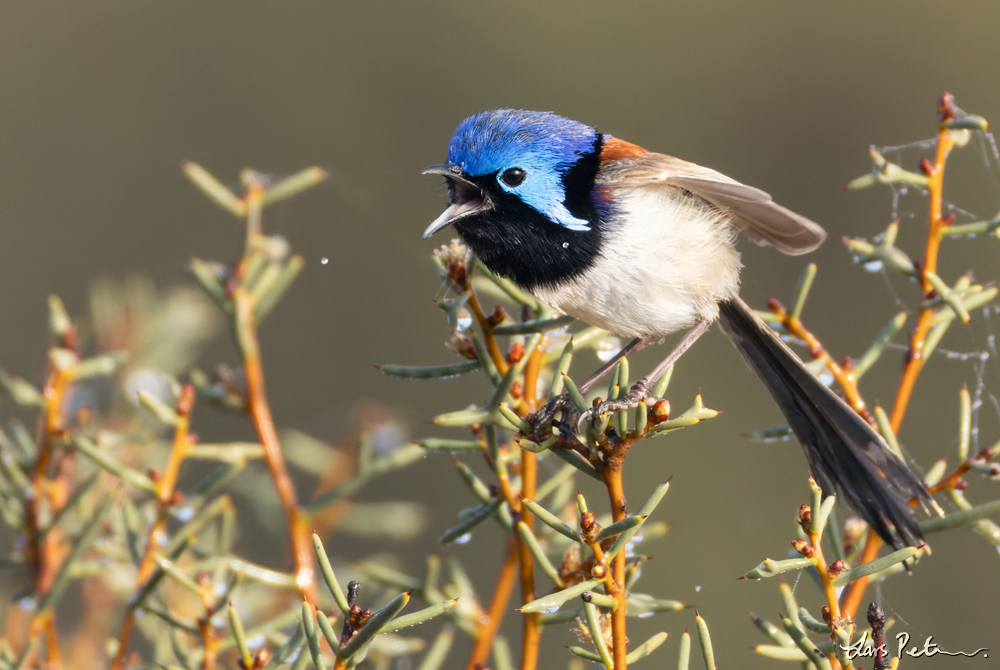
(754, 213)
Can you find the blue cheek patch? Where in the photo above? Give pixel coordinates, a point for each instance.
(543, 191)
(561, 215)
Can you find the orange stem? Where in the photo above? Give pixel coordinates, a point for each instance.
(824, 574)
(491, 343)
(531, 629)
(613, 481)
(935, 174)
(531, 370)
(45, 548)
(53, 657)
(260, 412)
(498, 607)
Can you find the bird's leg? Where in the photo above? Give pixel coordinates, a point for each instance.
(640, 390)
(629, 349)
(562, 403)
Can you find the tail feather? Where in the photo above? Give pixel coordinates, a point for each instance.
(845, 454)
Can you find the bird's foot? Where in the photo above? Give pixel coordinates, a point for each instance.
(637, 394)
(544, 416)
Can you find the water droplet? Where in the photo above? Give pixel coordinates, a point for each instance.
(551, 610)
(565, 245)
(697, 589)
(184, 514)
(645, 615)
(873, 266)
(464, 320)
(463, 539)
(324, 260)
(608, 347)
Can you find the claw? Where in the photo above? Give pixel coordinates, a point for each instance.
(544, 416)
(630, 400)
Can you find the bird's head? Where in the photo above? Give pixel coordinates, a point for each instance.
(505, 156)
(521, 186)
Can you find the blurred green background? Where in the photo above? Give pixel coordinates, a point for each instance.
(100, 102)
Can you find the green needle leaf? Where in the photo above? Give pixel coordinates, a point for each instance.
(536, 326)
(329, 577)
(438, 444)
(465, 417)
(562, 367)
(646, 648)
(482, 513)
(326, 627)
(312, 636)
(241, 639)
(706, 642)
(879, 345)
(684, 655)
(771, 568)
(618, 527)
(531, 542)
(594, 626)
(956, 519)
(419, 616)
(429, 371)
(554, 600)
(812, 623)
(552, 521)
(216, 191)
(295, 184)
(802, 290)
(879, 564)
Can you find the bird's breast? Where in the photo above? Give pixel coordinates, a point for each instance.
(666, 260)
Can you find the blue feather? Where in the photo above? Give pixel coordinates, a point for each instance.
(542, 144)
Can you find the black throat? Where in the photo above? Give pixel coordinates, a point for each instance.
(517, 242)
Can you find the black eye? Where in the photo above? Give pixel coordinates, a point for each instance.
(513, 176)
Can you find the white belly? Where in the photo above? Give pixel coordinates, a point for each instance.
(669, 266)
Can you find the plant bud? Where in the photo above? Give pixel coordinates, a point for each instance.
(805, 518)
(804, 548)
(659, 412)
(462, 345)
(496, 317)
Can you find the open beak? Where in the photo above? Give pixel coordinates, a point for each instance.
(466, 197)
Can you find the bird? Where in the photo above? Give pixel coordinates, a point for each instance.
(643, 245)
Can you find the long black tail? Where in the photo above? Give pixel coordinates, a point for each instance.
(845, 454)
